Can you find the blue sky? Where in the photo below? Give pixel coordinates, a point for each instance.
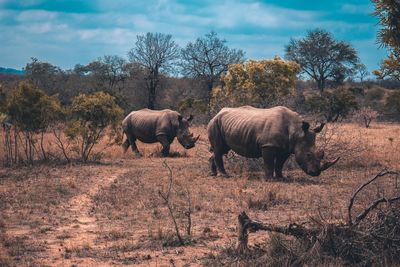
(67, 32)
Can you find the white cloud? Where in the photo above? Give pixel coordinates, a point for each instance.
(260, 15)
(142, 22)
(36, 15)
(357, 9)
(41, 28)
(260, 29)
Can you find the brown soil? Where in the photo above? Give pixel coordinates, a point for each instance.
(111, 213)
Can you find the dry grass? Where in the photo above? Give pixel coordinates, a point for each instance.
(111, 213)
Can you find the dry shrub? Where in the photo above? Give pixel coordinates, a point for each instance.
(347, 143)
(375, 242)
(172, 154)
(277, 250)
(365, 116)
(177, 199)
(78, 251)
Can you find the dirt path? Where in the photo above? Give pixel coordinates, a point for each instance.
(77, 236)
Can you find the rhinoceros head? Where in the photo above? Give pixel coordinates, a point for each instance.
(310, 160)
(183, 134)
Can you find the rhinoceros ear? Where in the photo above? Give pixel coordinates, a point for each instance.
(305, 126)
(190, 117)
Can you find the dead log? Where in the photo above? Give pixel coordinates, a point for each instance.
(247, 225)
(352, 242)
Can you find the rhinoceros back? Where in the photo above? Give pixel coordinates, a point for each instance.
(247, 129)
(146, 124)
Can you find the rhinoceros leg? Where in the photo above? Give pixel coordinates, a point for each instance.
(269, 155)
(279, 162)
(220, 164)
(132, 141)
(213, 166)
(165, 145)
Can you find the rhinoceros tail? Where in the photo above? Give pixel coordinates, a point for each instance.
(126, 144)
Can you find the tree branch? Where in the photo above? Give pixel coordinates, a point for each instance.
(373, 205)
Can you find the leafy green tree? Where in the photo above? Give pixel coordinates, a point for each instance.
(321, 57)
(388, 13)
(93, 115)
(208, 58)
(332, 105)
(31, 112)
(43, 75)
(156, 53)
(258, 83)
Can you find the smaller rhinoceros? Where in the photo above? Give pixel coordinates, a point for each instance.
(273, 134)
(151, 126)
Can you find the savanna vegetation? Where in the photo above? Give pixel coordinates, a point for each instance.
(69, 196)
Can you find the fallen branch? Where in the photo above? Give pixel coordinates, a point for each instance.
(373, 205)
(247, 225)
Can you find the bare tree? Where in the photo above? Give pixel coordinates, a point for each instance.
(155, 53)
(116, 71)
(209, 57)
(366, 115)
(321, 56)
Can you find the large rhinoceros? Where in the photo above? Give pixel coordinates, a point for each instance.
(151, 126)
(273, 134)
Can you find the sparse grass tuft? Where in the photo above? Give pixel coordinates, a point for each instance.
(267, 201)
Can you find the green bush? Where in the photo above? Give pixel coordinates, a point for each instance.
(193, 104)
(358, 91)
(374, 94)
(262, 83)
(332, 105)
(30, 112)
(393, 102)
(91, 116)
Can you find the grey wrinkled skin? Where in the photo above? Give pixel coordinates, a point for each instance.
(273, 134)
(151, 126)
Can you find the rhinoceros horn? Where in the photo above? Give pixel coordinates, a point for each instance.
(319, 128)
(327, 164)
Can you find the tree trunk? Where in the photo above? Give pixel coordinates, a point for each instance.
(210, 85)
(152, 98)
(152, 88)
(321, 85)
(42, 146)
(16, 152)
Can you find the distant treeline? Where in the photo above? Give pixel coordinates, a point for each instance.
(159, 74)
